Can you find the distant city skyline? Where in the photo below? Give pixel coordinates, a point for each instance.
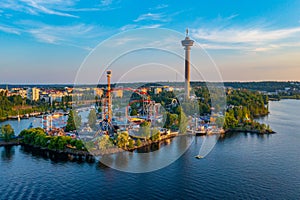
(46, 42)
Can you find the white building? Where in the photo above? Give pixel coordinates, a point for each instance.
(33, 94)
(57, 96)
(117, 93)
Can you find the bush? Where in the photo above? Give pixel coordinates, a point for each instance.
(138, 142)
(131, 143)
(79, 145)
(155, 135)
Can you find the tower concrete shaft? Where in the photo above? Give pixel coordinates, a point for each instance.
(187, 43)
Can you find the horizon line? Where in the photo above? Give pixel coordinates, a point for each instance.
(227, 81)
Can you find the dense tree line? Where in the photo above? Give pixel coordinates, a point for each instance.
(255, 102)
(38, 137)
(269, 86)
(16, 105)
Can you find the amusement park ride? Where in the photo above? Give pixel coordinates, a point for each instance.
(149, 109)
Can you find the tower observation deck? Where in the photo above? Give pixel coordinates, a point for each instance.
(187, 43)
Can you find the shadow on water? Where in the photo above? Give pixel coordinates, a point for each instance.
(153, 147)
(54, 157)
(232, 135)
(7, 153)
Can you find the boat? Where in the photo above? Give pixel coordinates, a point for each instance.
(199, 157)
(200, 133)
(57, 115)
(30, 126)
(26, 116)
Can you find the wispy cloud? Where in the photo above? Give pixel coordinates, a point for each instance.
(106, 5)
(57, 34)
(232, 16)
(77, 35)
(106, 2)
(34, 7)
(151, 17)
(159, 6)
(133, 26)
(252, 39)
(8, 29)
(128, 26)
(240, 35)
(123, 41)
(151, 26)
(148, 20)
(48, 7)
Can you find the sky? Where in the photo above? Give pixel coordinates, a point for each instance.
(50, 41)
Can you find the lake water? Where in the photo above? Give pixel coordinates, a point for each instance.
(240, 166)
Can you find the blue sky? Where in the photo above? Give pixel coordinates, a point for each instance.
(46, 41)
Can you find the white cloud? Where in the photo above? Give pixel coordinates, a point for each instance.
(56, 34)
(151, 26)
(247, 39)
(123, 41)
(219, 46)
(106, 2)
(48, 7)
(71, 35)
(150, 17)
(10, 30)
(128, 26)
(240, 35)
(106, 5)
(232, 16)
(160, 6)
(133, 26)
(34, 7)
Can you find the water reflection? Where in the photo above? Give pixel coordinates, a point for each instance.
(7, 153)
(232, 135)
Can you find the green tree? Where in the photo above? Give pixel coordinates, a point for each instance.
(122, 140)
(92, 118)
(155, 135)
(220, 121)
(62, 142)
(171, 119)
(104, 142)
(183, 122)
(74, 121)
(145, 129)
(53, 144)
(133, 112)
(230, 120)
(131, 143)
(7, 132)
(138, 142)
(79, 145)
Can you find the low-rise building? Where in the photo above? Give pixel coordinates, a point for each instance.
(157, 90)
(117, 93)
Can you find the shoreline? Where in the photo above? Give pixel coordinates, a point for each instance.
(18, 141)
(14, 142)
(243, 130)
(81, 155)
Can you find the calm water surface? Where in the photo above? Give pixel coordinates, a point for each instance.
(241, 166)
